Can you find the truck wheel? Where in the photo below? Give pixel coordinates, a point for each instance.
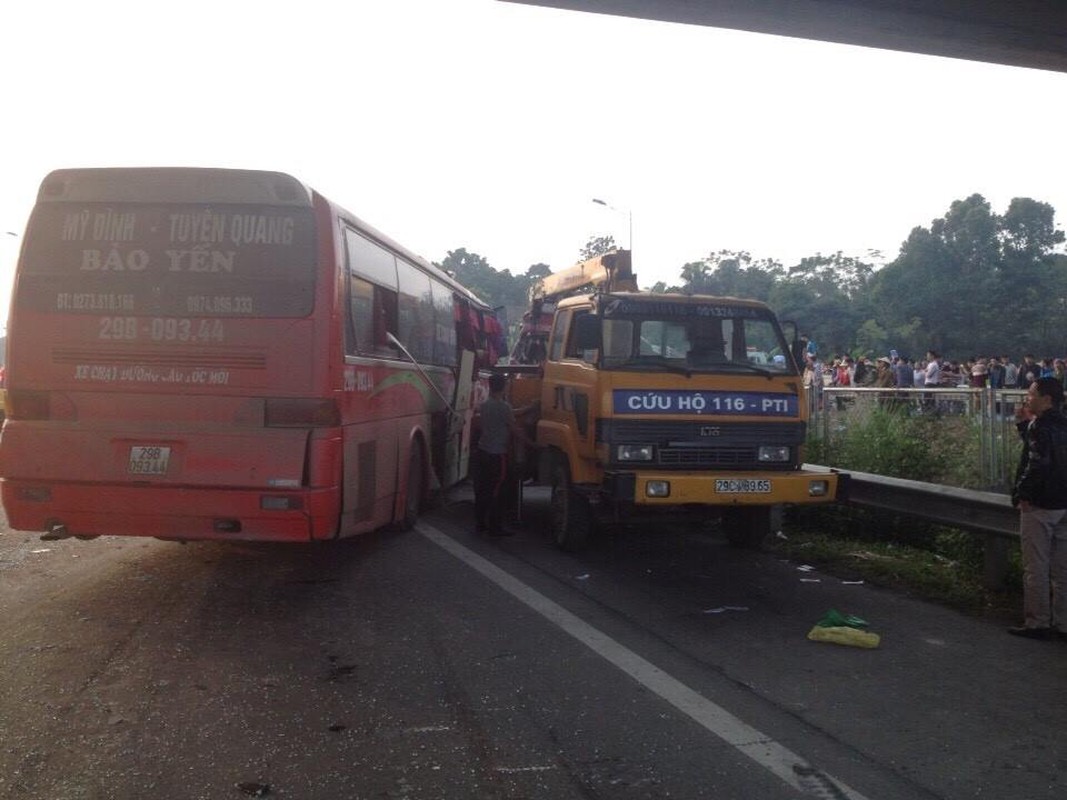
(413, 491)
(571, 518)
(747, 526)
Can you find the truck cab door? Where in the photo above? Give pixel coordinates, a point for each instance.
(569, 393)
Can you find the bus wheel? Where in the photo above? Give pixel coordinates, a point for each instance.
(747, 526)
(571, 518)
(413, 491)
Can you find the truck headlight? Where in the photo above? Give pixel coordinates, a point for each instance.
(634, 452)
(773, 453)
(658, 489)
(818, 488)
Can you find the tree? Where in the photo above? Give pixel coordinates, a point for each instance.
(1028, 275)
(828, 297)
(871, 339)
(972, 276)
(473, 271)
(834, 274)
(1028, 229)
(495, 287)
(945, 276)
(597, 246)
(733, 274)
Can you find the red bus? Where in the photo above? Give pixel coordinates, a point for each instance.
(226, 354)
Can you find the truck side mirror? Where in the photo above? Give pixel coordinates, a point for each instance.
(587, 332)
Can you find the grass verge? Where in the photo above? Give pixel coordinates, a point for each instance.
(937, 564)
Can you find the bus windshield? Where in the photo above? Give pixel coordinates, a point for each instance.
(220, 260)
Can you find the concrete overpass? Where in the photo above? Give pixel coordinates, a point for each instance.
(1023, 33)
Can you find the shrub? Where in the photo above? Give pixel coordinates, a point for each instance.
(892, 442)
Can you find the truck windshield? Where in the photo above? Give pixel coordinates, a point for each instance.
(748, 342)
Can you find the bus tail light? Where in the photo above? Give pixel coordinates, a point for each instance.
(301, 413)
(30, 405)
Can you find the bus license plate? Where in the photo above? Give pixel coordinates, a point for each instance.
(148, 460)
(742, 486)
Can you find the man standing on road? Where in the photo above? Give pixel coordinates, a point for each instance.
(1041, 495)
(491, 478)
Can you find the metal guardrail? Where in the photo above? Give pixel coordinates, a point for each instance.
(985, 513)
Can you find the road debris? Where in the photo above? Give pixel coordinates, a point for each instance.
(723, 609)
(254, 789)
(846, 629)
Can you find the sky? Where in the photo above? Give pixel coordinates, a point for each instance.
(492, 126)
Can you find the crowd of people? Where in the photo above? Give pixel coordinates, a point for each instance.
(895, 371)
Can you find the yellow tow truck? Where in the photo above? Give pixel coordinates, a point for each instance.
(650, 403)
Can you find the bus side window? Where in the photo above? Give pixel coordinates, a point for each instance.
(361, 311)
(374, 313)
(446, 324)
(386, 318)
(416, 312)
(373, 289)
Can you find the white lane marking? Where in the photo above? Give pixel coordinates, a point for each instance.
(766, 752)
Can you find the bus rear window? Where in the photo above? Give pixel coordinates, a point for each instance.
(181, 260)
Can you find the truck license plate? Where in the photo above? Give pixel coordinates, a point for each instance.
(742, 486)
(148, 460)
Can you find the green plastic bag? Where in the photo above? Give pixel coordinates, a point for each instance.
(835, 619)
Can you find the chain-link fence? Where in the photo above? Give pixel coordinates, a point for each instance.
(973, 428)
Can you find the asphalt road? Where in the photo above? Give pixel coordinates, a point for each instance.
(438, 664)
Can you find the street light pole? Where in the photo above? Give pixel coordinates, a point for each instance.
(630, 219)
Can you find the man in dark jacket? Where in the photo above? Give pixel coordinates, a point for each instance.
(1029, 372)
(1041, 496)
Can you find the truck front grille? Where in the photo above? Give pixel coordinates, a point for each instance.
(705, 457)
(700, 445)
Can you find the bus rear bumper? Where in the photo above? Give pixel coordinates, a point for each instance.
(180, 513)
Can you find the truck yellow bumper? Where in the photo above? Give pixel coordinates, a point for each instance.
(742, 488)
